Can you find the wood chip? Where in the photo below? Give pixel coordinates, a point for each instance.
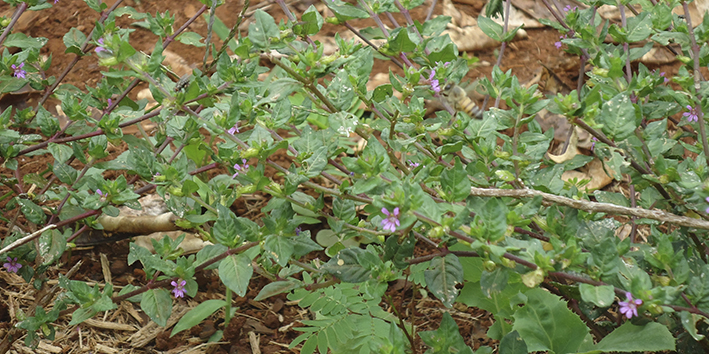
(151, 330)
(110, 325)
(105, 349)
(253, 340)
(105, 269)
(43, 345)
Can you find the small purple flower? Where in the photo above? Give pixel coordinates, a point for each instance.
(102, 194)
(413, 164)
(568, 8)
(593, 144)
(692, 115)
(12, 266)
(298, 231)
(100, 47)
(662, 74)
(56, 1)
(392, 219)
(179, 290)
(707, 210)
(559, 44)
(238, 168)
(629, 308)
(435, 85)
(234, 129)
(19, 72)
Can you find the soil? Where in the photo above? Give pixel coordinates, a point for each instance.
(272, 320)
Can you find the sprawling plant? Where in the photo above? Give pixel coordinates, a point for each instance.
(500, 228)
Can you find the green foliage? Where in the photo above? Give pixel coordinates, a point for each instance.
(410, 183)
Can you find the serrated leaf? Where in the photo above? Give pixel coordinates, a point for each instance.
(442, 277)
(157, 304)
(197, 315)
(235, 271)
(545, 323)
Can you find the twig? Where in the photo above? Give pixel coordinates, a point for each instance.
(593, 207)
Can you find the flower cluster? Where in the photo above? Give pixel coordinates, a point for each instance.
(392, 220)
(101, 47)
(559, 44)
(692, 115)
(435, 85)
(241, 168)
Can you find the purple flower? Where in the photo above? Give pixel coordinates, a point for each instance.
(100, 47)
(392, 219)
(630, 308)
(707, 210)
(19, 73)
(98, 191)
(179, 290)
(435, 86)
(692, 115)
(413, 164)
(559, 44)
(662, 74)
(593, 144)
(238, 168)
(12, 266)
(234, 129)
(568, 8)
(298, 231)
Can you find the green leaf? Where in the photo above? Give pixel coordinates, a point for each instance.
(512, 343)
(493, 282)
(197, 315)
(157, 304)
(74, 38)
(491, 28)
(618, 117)
(344, 11)
(277, 287)
(401, 43)
(32, 211)
(455, 182)
(11, 84)
(262, 29)
(225, 228)
(442, 277)
(279, 248)
(651, 337)
(52, 244)
(446, 339)
(235, 271)
(639, 27)
(22, 41)
(601, 296)
(545, 323)
(191, 38)
(313, 22)
(65, 173)
(346, 267)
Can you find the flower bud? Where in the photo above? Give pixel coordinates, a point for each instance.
(489, 266)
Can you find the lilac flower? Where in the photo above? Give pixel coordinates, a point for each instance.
(630, 308)
(12, 266)
(593, 144)
(102, 194)
(179, 290)
(392, 219)
(692, 115)
(559, 44)
(413, 164)
(100, 47)
(238, 168)
(435, 86)
(234, 129)
(707, 210)
(568, 8)
(298, 231)
(19, 72)
(662, 74)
